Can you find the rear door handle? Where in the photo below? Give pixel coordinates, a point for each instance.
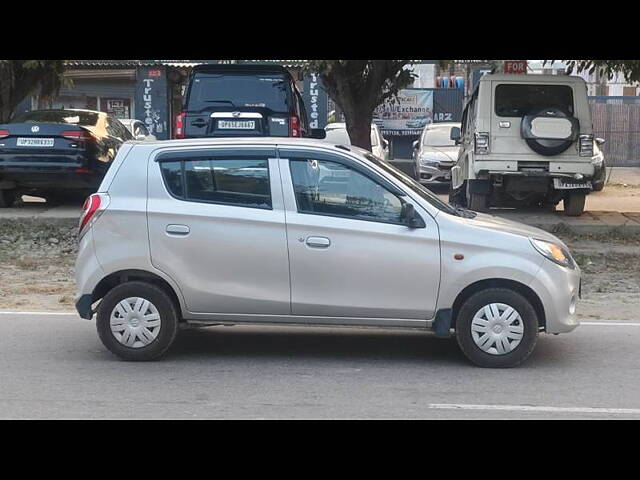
(318, 242)
(178, 229)
(199, 123)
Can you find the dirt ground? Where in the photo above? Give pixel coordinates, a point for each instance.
(37, 271)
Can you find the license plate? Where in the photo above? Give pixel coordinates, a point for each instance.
(237, 124)
(564, 184)
(35, 142)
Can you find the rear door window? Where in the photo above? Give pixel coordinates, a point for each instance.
(266, 91)
(71, 117)
(518, 100)
(238, 181)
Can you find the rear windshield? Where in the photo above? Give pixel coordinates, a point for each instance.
(58, 116)
(520, 100)
(210, 90)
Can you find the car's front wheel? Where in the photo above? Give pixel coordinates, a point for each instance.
(137, 321)
(497, 327)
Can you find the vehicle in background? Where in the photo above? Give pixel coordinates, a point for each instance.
(137, 128)
(419, 121)
(243, 101)
(337, 135)
(246, 230)
(57, 154)
(434, 153)
(526, 140)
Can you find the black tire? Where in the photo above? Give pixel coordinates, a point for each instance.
(574, 204)
(496, 295)
(169, 319)
(597, 187)
(478, 202)
(7, 198)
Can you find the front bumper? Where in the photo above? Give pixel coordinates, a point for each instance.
(434, 173)
(559, 290)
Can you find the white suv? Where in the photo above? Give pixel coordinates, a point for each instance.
(294, 231)
(526, 140)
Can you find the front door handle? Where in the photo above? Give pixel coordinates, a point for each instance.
(178, 229)
(318, 242)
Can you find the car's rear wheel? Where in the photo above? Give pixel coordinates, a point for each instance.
(497, 328)
(598, 186)
(574, 204)
(137, 321)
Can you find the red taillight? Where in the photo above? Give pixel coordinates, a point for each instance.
(79, 135)
(294, 126)
(92, 205)
(4, 133)
(179, 132)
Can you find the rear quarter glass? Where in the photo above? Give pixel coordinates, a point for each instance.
(216, 91)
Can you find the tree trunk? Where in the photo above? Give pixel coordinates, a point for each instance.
(359, 129)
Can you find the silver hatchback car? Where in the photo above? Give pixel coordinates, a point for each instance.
(296, 231)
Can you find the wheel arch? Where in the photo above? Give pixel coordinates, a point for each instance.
(117, 278)
(518, 287)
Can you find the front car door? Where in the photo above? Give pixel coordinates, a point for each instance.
(351, 254)
(217, 228)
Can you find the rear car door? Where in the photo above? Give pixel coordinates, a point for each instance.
(216, 227)
(350, 253)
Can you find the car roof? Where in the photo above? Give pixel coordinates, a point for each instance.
(66, 110)
(239, 68)
(253, 141)
(531, 78)
(342, 125)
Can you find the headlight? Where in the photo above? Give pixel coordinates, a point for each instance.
(429, 161)
(553, 252)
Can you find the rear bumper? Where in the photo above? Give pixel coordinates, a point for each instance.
(50, 178)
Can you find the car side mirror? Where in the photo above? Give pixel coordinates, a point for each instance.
(318, 133)
(599, 141)
(415, 144)
(411, 217)
(455, 134)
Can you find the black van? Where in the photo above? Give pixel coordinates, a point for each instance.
(243, 100)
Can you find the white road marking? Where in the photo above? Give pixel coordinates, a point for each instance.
(38, 313)
(533, 408)
(612, 324)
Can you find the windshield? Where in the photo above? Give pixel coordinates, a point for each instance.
(438, 137)
(211, 90)
(409, 182)
(58, 116)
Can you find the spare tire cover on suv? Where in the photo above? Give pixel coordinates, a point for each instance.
(549, 131)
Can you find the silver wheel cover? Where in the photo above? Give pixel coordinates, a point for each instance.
(135, 322)
(497, 329)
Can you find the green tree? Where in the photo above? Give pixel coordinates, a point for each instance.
(358, 87)
(20, 78)
(629, 68)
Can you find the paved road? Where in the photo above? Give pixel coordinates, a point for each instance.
(53, 366)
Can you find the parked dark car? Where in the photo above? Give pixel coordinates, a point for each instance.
(57, 154)
(243, 101)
